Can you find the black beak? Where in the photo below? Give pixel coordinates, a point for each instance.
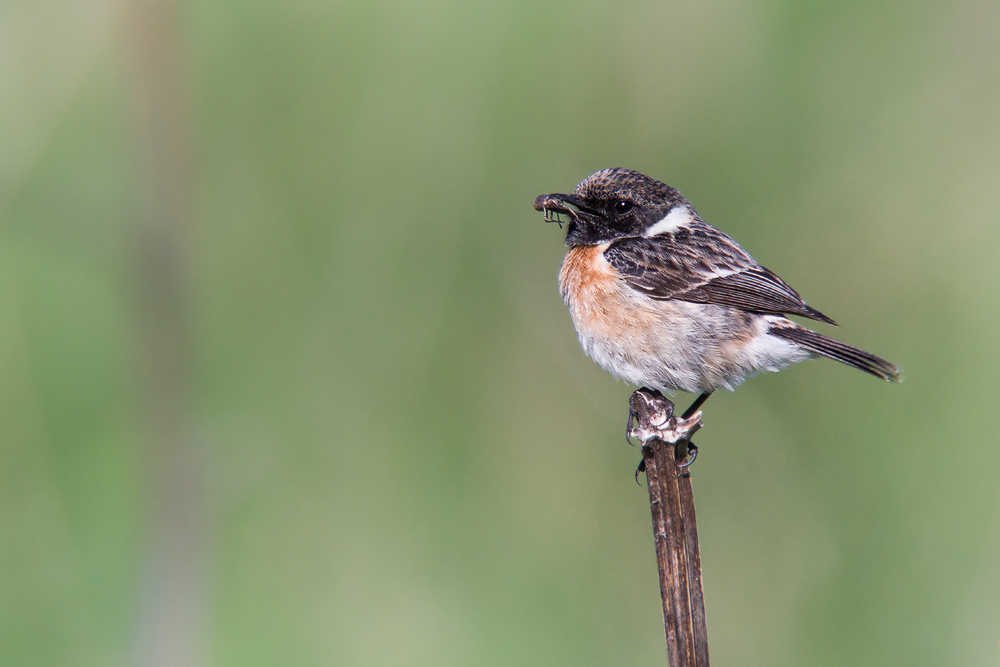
(558, 203)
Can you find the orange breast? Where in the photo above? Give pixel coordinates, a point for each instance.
(585, 271)
(598, 301)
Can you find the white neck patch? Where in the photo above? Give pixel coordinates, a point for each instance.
(678, 217)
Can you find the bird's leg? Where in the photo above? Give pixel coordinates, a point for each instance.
(697, 404)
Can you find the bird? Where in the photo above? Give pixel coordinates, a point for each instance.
(661, 299)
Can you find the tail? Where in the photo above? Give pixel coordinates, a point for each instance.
(838, 351)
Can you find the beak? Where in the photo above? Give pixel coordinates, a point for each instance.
(561, 204)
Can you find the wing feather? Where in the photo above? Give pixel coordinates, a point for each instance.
(700, 264)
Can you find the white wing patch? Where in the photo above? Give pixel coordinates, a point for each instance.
(678, 217)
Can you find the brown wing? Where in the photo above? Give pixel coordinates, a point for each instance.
(700, 264)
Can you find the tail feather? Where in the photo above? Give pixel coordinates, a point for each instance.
(838, 351)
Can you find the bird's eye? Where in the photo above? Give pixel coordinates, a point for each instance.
(622, 207)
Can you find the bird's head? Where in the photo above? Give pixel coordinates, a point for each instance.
(615, 203)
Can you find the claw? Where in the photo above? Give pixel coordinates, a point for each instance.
(640, 468)
(692, 455)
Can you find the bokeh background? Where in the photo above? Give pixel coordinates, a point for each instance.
(285, 377)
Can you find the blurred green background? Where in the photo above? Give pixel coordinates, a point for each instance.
(285, 378)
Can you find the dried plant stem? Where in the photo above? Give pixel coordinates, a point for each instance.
(675, 529)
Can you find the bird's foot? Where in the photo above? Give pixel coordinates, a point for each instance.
(651, 417)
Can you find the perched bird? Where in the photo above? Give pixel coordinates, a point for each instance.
(662, 299)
